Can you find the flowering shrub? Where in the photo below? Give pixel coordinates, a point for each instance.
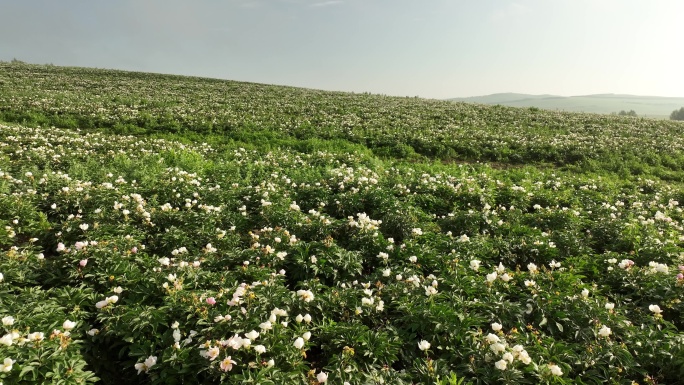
(138, 260)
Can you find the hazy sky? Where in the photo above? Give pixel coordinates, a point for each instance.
(427, 48)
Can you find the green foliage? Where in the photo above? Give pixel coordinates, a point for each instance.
(677, 114)
(631, 113)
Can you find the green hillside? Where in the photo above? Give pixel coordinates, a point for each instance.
(159, 229)
(646, 106)
(138, 103)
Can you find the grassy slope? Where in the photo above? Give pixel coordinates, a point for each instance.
(127, 102)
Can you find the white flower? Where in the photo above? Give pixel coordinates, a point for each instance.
(413, 259)
(492, 338)
(496, 326)
(299, 318)
(530, 283)
(68, 325)
(501, 364)
(6, 365)
(175, 325)
(498, 347)
(306, 336)
(305, 295)
(386, 272)
(491, 277)
(322, 376)
(532, 268)
(8, 321)
(36, 336)
(145, 366)
(307, 318)
(117, 290)
(508, 357)
(84, 226)
(299, 343)
(655, 309)
(500, 269)
(524, 357)
(430, 290)
(234, 342)
(279, 312)
(475, 264)
(164, 261)
(585, 293)
(604, 331)
(555, 370)
(266, 325)
(6, 340)
(246, 343)
(423, 345)
(261, 349)
(252, 335)
(505, 277)
(150, 361)
(212, 353)
(609, 306)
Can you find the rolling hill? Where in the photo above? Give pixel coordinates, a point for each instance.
(647, 106)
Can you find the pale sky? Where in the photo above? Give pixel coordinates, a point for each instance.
(427, 48)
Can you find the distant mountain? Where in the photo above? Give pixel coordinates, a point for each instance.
(648, 106)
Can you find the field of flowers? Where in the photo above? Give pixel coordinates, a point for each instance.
(278, 252)
(133, 103)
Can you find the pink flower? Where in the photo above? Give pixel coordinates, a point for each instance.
(134, 250)
(680, 276)
(83, 262)
(227, 364)
(211, 301)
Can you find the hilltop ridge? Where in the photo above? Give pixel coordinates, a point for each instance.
(649, 106)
